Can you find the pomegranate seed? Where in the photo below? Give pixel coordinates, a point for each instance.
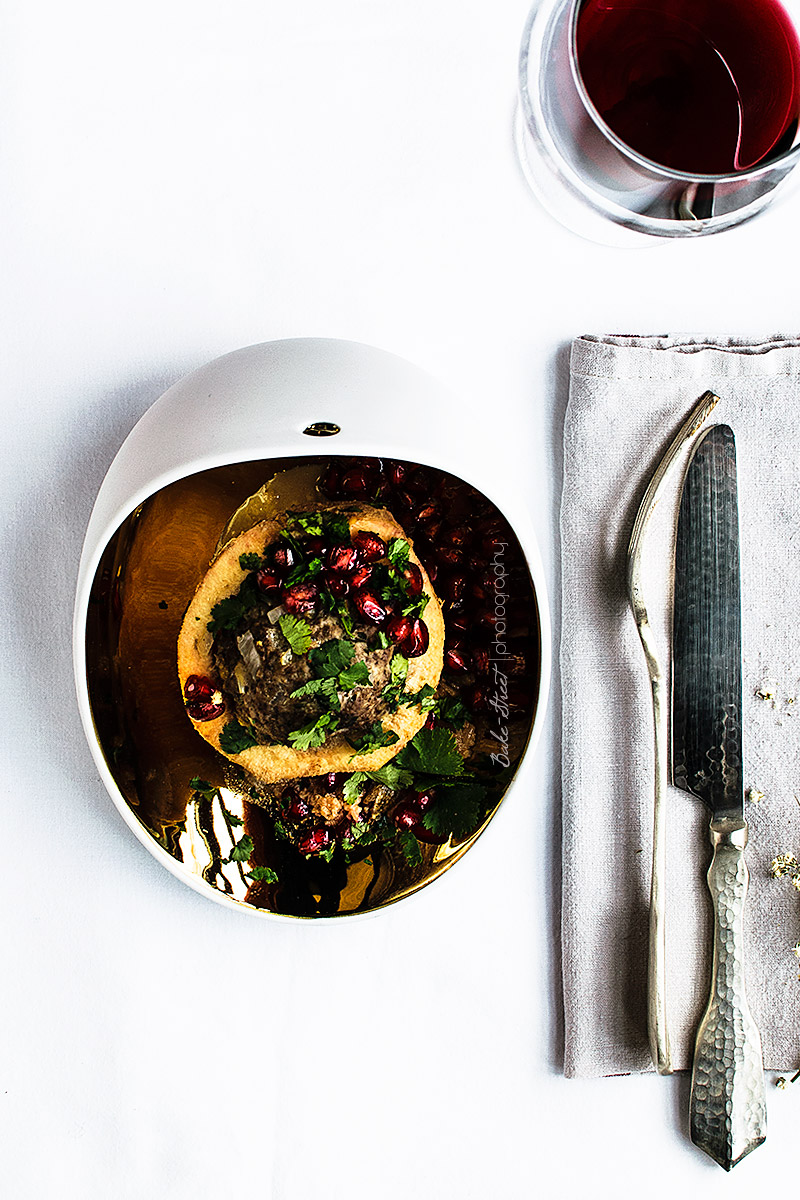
(314, 842)
(518, 695)
(421, 482)
(297, 809)
(480, 660)
(404, 501)
(477, 699)
(491, 526)
(360, 576)
(332, 779)
(315, 544)
(429, 511)
(413, 578)
(396, 473)
(204, 700)
(359, 481)
(370, 547)
(458, 622)
(416, 641)
(301, 598)
(407, 816)
(423, 834)
(430, 529)
(459, 536)
(491, 543)
(268, 581)
(398, 628)
(430, 722)
(453, 589)
(477, 591)
(282, 557)
(424, 800)
(485, 616)
(337, 585)
(450, 556)
(341, 558)
(433, 571)
(369, 606)
(329, 483)
(456, 658)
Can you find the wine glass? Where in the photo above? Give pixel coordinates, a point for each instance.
(674, 118)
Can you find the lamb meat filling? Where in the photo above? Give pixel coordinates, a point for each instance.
(258, 672)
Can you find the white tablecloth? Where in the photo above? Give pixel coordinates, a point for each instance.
(180, 179)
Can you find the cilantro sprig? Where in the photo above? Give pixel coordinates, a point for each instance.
(314, 733)
(331, 658)
(297, 633)
(456, 810)
(398, 552)
(250, 562)
(431, 752)
(265, 874)
(235, 737)
(374, 739)
(229, 612)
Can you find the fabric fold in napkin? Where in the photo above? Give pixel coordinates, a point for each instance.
(627, 398)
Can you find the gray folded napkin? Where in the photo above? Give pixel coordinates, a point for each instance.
(628, 396)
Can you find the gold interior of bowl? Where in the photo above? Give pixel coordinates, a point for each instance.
(146, 578)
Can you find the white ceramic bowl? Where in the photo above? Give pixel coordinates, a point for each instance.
(255, 404)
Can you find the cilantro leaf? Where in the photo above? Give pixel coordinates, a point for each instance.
(361, 832)
(410, 847)
(452, 710)
(398, 668)
(296, 631)
(312, 735)
(392, 776)
(425, 698)
(234, 738)
(243, 849)
(263, 873)
(398, 552)
(382, 641)
(416, 607)
(344, 615)
(375, 739)
(323, 689)
(309, 522)
(331, 657)
(355, 676)
(431, 752)
(203, 788)
(336, 527)
(456, 810)
(352, 786)
(250, 562)
(230, 611)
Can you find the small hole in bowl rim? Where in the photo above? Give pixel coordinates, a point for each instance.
(322, 429)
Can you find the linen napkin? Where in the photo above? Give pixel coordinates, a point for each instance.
(627, 398)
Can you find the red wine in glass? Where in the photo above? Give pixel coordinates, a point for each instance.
(707, 87)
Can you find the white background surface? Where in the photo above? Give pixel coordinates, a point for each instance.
(178, 180)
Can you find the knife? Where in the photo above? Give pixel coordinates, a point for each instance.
(727, 1105)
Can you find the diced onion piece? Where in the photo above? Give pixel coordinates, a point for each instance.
(275, 614)
(241, 677)
(250, 656)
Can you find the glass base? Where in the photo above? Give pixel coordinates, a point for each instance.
(564, 205)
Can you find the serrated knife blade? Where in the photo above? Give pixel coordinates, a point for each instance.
(727, 1106)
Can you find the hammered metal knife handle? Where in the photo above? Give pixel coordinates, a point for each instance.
(728, 1106)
